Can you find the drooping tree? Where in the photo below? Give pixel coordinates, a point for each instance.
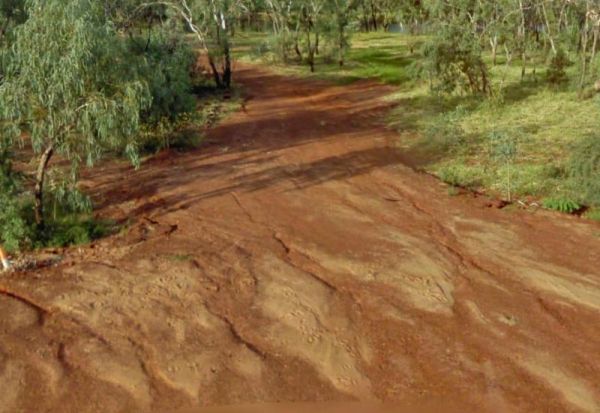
(70, 88)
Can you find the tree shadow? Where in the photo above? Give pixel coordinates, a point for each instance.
(284, 118)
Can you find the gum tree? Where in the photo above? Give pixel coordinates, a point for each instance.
(70, 88)
(212, 23)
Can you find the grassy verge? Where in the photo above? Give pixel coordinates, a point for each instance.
(457, 138)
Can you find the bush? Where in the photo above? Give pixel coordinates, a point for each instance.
(68, 220)
(503, 149)
(454, 60)
(14, 231)
(557, 73)
(445, 133)
(74, 230)
(564, 205)
(169, 63)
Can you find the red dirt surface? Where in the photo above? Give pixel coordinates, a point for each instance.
(295, 258)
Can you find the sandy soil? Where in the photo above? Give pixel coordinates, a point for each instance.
(295, 258)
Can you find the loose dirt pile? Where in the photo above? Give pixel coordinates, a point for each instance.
(295, 258)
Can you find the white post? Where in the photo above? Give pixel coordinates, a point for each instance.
(4, 259)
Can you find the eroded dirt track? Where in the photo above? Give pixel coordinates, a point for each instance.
(295, 258)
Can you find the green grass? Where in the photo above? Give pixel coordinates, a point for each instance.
(374, 55)
(593, 214)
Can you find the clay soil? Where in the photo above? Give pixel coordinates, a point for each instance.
(295, 257)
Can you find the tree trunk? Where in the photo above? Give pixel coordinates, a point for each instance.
(494, 44)
(215, 72)
(311, 50)
(594, 46)
(227, 71)
(39, 186)
(341, 46)
(523, 35)
(584, 45)
(548, 31)
(373, 17)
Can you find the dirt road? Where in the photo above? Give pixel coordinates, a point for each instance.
(295, 258)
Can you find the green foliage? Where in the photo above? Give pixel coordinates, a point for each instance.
(564, 205)
(178, 134)
(71, 83)
(460, 175)
(14, 231)
(169, 62)
(557, 74)
(453, 62)
(12, 13)
(64, 197)
(445, 133)
(584, 170)
(593, 214)
(503, 149)
(71, 86)
(503, 146)
(74, 230)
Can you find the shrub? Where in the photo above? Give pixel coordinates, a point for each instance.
(14, 231)
(454, 60)
(557, 73)
(168, 69)
(445, 133)
(565, 205)
(169, 65)
(504, 150)
(74, 230)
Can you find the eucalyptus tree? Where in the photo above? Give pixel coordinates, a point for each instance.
(212, 23)
(219, 18)
(71, 88)
(454, 55)
(281, 13)
(310, 17)
(342, 11)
